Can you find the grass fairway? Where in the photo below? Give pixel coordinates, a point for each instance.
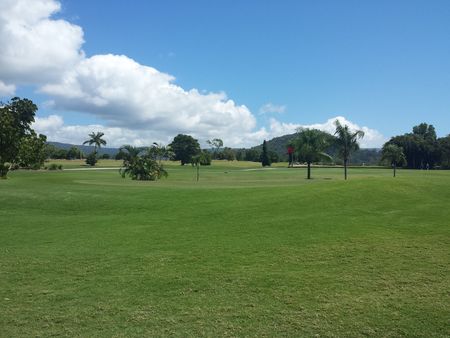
(240, 253)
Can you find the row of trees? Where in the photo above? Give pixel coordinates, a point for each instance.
(422, 148)
(310, 145)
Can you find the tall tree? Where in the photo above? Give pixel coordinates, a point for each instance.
(16, 117)
(184, 148)
(421, 147)
(32, 151)
(215, 144)
(347, 142)
(96, 140)
(444, 145)
(393, 155)
(310, 145)
(265, 158)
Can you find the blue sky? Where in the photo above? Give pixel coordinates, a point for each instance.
(379, 65)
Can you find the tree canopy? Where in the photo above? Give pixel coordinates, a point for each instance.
(184, 148)
(310, 146)
(421, 147)
(16, 117)
(346, 142)
(393, 155)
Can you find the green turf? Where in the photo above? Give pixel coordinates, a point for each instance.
(240, 253)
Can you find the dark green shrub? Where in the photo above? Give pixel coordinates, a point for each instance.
(91, 159)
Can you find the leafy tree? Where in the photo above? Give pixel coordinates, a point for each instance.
(347, 142)
(274, 158)
(160, 152)
(32, 152)
(420, 147)
(205, 158)
(215, 144)
(73, 153)
(16, 117)
(184, 148)
(228, 154)
(393, 155)
(252, 155)
(310, 146)
(139, 164)
(265, 159)
(444, 145)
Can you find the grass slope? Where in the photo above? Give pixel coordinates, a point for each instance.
(240, 253)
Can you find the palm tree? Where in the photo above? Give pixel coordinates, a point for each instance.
(96, 140)
(139, 164)
(310, 146)
(347, 142)
(393, 154)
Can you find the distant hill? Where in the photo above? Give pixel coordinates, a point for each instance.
(85, 149)
(368, 156)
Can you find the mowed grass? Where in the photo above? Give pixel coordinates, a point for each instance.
(239, 253)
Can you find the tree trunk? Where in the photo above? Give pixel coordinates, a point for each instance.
(395, 167)
(309, 170)
(345, 168)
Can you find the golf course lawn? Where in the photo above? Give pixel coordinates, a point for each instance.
(242, 252)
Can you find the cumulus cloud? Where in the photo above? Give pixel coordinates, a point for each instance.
(125, 93)
(6, 89)
(272, 108)
(137, 104)
(36, 48)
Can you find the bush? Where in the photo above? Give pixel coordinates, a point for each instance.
(54, 166)
(91, 159)
(205, 158)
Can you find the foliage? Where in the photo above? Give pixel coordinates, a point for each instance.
(96, 140)
(91, 159)
(184, 148)
(32, 151)
(216, 144)
(310, 147)
(421, 147)
(265, 159)
(139, 164)
(393, 155)
(444, 145)
(54, 166)
(346, 142)
(160, 152)
(204, 158)
(16, 117)
(54, 152)
(74, 153)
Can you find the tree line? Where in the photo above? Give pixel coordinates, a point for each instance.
(21, 146)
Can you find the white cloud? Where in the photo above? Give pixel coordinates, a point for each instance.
(272, 108)
(6, 90)
(138, 104)
(34, 47)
